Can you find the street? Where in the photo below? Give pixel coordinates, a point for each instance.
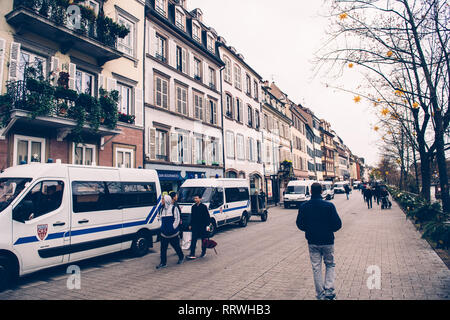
(265, 261)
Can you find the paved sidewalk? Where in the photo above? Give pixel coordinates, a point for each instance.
(266, 260)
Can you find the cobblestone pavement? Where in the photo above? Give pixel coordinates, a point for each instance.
(265, 261)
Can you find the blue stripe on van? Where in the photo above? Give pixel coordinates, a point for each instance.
(231, 209)
(150, 218)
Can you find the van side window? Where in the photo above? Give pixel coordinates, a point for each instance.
(89, 196)
(46, 197)
(141, 194)
(236, 194)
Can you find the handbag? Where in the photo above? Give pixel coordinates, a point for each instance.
(186, 241)
(210, 244)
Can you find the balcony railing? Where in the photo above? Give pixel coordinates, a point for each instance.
(83, 30)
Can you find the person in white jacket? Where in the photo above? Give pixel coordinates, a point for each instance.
(170, 222)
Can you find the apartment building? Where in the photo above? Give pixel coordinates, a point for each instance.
(183, 118)
(242, 118)
(299, 151)
(328, 148)
(71, 82)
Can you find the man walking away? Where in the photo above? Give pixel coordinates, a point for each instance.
(368, 197)
(170, 221)
(319, 219)
(199, 222)
(347, 190)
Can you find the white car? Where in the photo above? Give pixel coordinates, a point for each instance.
(327, 190)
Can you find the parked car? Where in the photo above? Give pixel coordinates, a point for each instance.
(339, 187)
(327, 190)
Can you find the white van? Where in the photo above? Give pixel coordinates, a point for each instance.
(327, 190)
(339, 187)
(228, 200)
(297, 192)
(52, 214)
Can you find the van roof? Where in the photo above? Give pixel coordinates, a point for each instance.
(37, 170)
(300, 182)
(213, 182)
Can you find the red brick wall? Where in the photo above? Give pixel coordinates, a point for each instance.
(58, 150)
(3, 154)
(128, 138)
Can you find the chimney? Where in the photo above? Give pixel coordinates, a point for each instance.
(222, 40)
(240, 56)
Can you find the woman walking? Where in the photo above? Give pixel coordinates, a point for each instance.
(170, 222)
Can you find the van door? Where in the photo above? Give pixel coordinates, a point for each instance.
(237, 201)
(41, 225)
(97, 217)
(216, 207)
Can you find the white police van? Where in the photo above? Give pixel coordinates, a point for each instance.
(228, 200)
(52, 214)
(297, 192)
(327, 190)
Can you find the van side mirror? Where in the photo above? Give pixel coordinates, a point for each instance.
(23, 211)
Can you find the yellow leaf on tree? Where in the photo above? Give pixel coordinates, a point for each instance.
(376, 128)
(350, 65)
(415, 105)
(384, 112)
(343, 16)
(389, 53)
(357, 99)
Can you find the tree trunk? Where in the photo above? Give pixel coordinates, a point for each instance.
(443, 177)
(425, 171)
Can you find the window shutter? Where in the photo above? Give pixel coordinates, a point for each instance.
(152, 143)
(186, 149)
(194, 147)
(220, 152)
(111, 84)
(139, 107)
(14, 60)
(174, 147)
(208, 150)
(72, 75)
(100, 83)
(247, 149)
(172, 54)
(208, 111)
(2, 62)
(184, 60)
(54, 65)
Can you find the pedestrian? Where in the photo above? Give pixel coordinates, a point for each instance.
(347, 190)
(200, 221)
(376, 193)
(319, 219)
(262, 197)
(368, 197)
(170, 221)
(174, 197)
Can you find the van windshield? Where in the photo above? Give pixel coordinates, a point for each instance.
(187, 194)
(296, 190)
(10, 188)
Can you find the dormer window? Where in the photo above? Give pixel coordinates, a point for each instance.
(179, 19)
(210, 43)
(196, 32)
(160, 7)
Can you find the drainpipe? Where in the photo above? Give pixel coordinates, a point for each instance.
(223, 132)
(143, 89)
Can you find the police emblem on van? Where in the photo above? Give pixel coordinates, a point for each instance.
(42, 231)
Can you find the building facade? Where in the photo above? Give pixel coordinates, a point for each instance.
(183, 118)
(299, 152)
(328, 151)
(62, 78)
(241, 118)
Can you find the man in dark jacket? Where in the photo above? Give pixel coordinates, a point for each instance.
(368, 197)
(199, 222)
(319, 219)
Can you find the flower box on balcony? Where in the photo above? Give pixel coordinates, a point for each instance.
(127, 118)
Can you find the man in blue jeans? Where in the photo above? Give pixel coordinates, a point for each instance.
(319, 219)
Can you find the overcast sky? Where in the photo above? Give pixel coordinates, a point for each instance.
(279, 39)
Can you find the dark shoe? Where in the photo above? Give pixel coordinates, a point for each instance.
(191, 257)
(203, 254)
(332, 297)
(161, 266)
(180, 261)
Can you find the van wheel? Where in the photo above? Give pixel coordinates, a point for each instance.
(244, 220)
(140, 245)
(212, 229)
(6, 273)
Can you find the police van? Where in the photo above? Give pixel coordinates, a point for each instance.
(228, 200)
(327, 190)
(52, 214)
(297, 192)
